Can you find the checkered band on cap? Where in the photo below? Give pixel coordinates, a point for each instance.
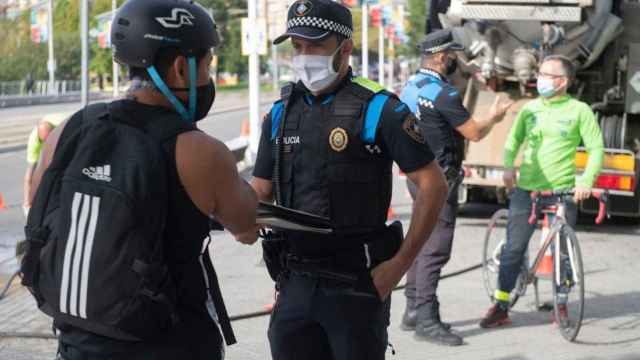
(310, 21)
(438, 48)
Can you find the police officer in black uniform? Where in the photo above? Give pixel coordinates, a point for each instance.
(327, 148)
(167, 44)
(446, 124)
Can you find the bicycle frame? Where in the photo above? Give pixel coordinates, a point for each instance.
(553, 235)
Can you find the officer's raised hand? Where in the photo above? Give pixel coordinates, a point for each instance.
(500, 106)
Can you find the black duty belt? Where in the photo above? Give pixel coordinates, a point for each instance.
(321, 268)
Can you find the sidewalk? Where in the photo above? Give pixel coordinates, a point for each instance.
(17, 123)
(611, 329)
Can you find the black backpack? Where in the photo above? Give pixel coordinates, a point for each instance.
(95, 233)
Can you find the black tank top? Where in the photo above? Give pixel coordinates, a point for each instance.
(197, 335)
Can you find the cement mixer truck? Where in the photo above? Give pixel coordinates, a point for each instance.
(505, 41)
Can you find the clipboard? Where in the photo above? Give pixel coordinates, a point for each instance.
(282, 218)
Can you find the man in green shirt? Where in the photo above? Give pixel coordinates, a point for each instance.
(551, 127)
(37, 138)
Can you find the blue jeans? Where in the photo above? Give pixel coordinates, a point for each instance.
(519, 232)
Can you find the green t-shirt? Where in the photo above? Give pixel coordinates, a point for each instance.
(34, 144)
(552, 130)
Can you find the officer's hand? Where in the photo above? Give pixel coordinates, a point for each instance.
(581, 193)
(509, 178)
(499, 107)
(248, 237)
(386, 276)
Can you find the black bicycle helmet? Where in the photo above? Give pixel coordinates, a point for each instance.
(142, 27)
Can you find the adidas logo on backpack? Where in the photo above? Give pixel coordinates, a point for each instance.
(101, 173)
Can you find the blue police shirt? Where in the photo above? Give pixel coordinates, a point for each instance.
(438, 106)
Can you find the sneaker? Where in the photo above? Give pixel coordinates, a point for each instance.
(496, 316)
(564, 316)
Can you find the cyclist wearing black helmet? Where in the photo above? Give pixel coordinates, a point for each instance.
(167, 46)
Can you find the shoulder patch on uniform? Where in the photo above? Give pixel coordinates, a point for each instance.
(410, 126)
(368, 84)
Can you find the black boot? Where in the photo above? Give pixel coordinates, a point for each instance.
(430, 328)
(410, 318)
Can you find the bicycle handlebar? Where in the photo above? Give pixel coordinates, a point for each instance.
(602, 196)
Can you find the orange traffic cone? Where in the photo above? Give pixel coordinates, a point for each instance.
(545, 267)
(390, 213)
(2, 204)
(245, 130)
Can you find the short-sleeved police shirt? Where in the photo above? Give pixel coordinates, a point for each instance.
(438, 106)
(396, 135)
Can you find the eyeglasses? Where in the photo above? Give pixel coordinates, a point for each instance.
(552, 76)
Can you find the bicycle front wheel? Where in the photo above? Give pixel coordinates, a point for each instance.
(494, 242)
(568, 283)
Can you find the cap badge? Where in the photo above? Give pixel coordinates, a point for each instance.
(303, 8)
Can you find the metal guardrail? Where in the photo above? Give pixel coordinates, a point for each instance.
(38, 88)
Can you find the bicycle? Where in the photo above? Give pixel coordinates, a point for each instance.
(567, 273)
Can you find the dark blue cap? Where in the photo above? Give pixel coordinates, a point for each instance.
(315, 20)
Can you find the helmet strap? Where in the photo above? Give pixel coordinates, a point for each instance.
(160, 84)
(192, 87)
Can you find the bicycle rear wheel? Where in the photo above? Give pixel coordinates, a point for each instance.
(568, 284)
(494, 241)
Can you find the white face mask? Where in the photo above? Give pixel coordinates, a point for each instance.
(316, 71)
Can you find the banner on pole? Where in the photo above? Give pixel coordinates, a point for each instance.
(256, 36)
(39, 23)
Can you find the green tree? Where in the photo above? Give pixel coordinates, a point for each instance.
(20, 56)
(417, 18)
(230, 58)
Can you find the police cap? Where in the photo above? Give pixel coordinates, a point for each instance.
(438, 41)
(315, 20)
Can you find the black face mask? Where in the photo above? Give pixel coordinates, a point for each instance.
(452, 66)
(205, 95)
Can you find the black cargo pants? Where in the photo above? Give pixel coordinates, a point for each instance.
(319, 319)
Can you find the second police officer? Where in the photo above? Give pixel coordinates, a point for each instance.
(327, 148)
(446, 124)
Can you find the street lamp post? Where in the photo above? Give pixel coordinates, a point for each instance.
(84, 40)
(51, 63)
(116, 67)
(254, 79)
(365, 39)
(381, 55)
